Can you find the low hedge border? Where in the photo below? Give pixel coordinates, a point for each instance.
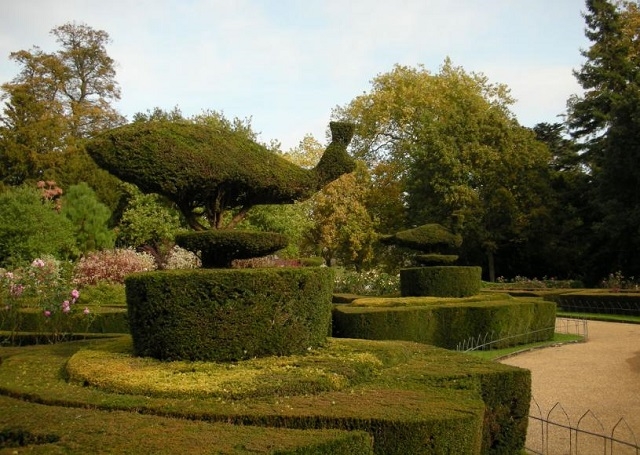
(81, 431)
(103, 320)
(447, 324)
(429, 401)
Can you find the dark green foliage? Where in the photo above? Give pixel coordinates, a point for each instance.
(447, 324)
(606, 120)
(440, 281)
(103, 320)
(18, 437)
(229, 314)
(89, 218)
(214, 168)
(623, 303)
(219, 247)
(335, 162)
(436, 259)
(311, 262)
(31, 227)
(506, 419)
(427, 238)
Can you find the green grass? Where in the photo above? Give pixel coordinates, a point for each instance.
(600, 317)
(495, 354)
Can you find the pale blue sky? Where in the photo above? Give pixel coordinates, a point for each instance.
(287, 63)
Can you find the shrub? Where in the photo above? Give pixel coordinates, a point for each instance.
(104, 294)
(110, 266)
(370, 282)
(440, 281)
(44, 287)
(228, 314)
(30, 227)
(179, 258)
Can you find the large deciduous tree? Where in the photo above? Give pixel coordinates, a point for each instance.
(56, 100)
(606, 120)
(450, 144)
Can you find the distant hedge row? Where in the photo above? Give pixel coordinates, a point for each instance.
(622, 303)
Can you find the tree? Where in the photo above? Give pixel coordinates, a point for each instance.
(150, 224)
(89, 218)
(56, 100)
(606, 120)
(452, 144)
(343, 230)
(30, 226)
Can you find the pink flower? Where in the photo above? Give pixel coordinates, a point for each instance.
(86, 310)
(66, 306)
(75, 294)
(47, 313)
(37, 263)
(16, 290)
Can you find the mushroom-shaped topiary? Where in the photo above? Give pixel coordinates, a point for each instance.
(428, 238)
(436, 277)
(207, 170)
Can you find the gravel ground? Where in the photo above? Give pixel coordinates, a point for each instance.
(599, 379)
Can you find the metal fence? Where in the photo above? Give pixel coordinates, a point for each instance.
(492, 340)
(554, 433)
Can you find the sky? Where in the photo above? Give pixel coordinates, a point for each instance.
(287, 63)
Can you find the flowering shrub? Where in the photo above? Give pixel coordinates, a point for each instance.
(370, 282)
(110, 266)
(42, 287)
(264, 261)
(617, 281)
(179, 258)
(521, 282)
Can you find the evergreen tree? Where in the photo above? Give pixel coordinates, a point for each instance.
(606, 119)
(30, 226)
(89, 218)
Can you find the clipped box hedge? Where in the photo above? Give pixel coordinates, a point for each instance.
(421, 399)
(440, 281)
(448, 323)
(620, 303)
(228, 314)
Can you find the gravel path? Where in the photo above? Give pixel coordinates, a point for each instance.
(601, 376)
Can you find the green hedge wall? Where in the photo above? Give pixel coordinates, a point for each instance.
(448, 324)
(620, 303)
(440, 281)
(228, 314)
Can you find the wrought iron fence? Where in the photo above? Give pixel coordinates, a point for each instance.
(555, 433)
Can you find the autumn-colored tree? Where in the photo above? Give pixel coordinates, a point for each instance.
(452, 145)
(343, 231)
(56, 100)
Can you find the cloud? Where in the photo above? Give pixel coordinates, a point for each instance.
(286, 64)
